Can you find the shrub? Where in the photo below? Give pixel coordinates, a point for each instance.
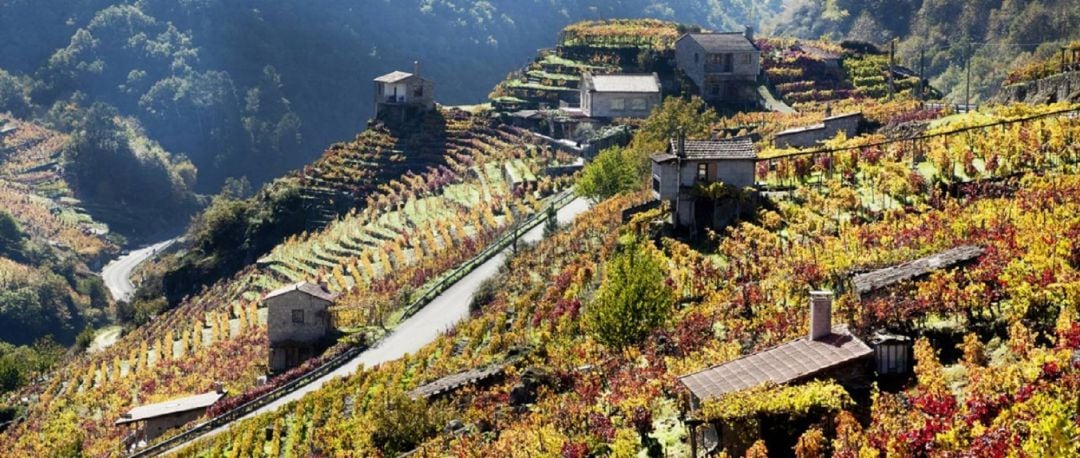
(633, 299)
(612, 172)
(404, 424)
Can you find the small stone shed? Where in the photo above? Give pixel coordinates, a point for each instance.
(297, 323)
(163, 416)
(807, 136)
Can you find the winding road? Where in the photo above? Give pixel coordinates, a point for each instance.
(117, 274)
(441, 314)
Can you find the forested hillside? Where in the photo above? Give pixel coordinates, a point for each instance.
(249, 88)
(996, 34)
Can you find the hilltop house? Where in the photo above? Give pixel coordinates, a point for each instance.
(297, 323)
(827, 352)
(807, 136)
(619, 96)
(399, 94)
(163, 416)
(724, 66)
(691, 164)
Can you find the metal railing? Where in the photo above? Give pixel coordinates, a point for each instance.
(558, 202)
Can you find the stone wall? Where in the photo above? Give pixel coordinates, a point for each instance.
(1057, 88)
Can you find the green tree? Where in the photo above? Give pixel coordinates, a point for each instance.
(612, 172)
(11, 236)
(693, 116)
(404, 423)
(633, 298)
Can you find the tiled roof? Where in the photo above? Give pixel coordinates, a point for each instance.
(310, 289)
(393, 77)
(729, 148)
(455, 381)
(199, 401)
(722, 42)
(888, 276)
(780, 364)
(623, 83)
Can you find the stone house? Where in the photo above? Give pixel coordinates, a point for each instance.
(690, 164)
(297, 323)
(399, 94)
(807, 136)
(827, 353)
(619, 96)
(724, 66)
(163, 416)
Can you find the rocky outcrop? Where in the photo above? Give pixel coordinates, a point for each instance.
(1057, 88)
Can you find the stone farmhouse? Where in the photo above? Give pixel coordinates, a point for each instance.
(619, 96)
(158, 418)
(688, 165)
(724, 66)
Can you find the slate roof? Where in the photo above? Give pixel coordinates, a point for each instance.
(728, 148)
(649, 83)
(455, 381)
(310, 289)
(722, 42)
(393, 77)
(661, 158)
(175, 406)
(881, 278)
(780, 364)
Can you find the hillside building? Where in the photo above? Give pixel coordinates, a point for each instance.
(297, 323)
(724, 66)
(827, 353)
(807, 136)
(619, 96)
(399, 94)
(158, 418)
(688, 165)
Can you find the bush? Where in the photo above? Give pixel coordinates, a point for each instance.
(612, 172)
(633, 299)
(404, 424)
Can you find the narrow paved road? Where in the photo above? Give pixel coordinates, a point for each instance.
(117, 274)
(422, 328)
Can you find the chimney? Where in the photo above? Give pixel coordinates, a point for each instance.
(680, 143)
(218, 387)
(749, 33)
(820, 314)
(416, 68)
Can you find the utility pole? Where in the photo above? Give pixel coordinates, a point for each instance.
(922, 75)
(1063, 59)
(967, 86)
(892, 63)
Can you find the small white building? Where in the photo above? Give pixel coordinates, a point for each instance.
(297, 323)
(400, 94)
(619, 96)
(688, 164)
(807, 136)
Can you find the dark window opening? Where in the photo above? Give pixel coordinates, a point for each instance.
(419, 91)
(702, 172)
(656, 184)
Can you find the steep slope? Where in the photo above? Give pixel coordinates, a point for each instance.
(417, 226)
(559, 391)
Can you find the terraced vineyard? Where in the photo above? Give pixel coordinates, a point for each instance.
(601, 47)
(418, 227)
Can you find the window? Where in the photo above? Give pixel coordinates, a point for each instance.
(618, 104)
(697, 58)
(746, 59)
(703, 172)
(419, 91)
(298, 316)
(656, 184)
(639, 104)
(716, 59)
